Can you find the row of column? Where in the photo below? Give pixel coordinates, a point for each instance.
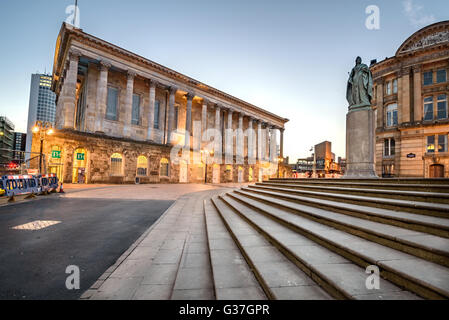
(67, 103)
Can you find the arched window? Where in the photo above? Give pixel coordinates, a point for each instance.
(116, 164)
(164, 167)
(142, 166)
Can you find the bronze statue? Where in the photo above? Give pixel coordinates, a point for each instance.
(359, 91)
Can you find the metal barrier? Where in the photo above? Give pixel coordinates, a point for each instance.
(12, 185)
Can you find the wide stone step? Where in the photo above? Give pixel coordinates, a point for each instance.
(437, 197)
(233, 278)
(422, 223)
(367, 185)
(339, 276)
(279, 277)
(428, 247)
(424, 181)
(432, 209)
(432, 284)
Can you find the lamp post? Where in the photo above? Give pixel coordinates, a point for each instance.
(314, 162)
(43, 128)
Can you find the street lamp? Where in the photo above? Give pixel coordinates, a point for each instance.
(314, 161)
(43, 128)
(211, 154)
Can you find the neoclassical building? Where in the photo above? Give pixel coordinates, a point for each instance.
(119, 116)
(410, 101)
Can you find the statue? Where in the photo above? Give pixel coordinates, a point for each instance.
(359, 91)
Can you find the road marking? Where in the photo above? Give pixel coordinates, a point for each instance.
(36, 225)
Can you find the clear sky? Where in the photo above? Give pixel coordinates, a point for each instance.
(289, 57)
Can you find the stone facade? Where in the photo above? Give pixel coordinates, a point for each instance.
(113, 104)
(405, 124)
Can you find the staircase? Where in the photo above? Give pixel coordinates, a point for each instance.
(314, 238)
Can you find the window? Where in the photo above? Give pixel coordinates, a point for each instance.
(428, 108)
(175, 126)
(135, 119)
(388, 88)
(111, 110)
(441, 76)
(441, 106)
(392, 115)
(389, 147)
(428, 78)
(156, 114)
(164, 167)
(430, 144)
(142, 166)
(116, 164)
(442, 143)
(395, 86)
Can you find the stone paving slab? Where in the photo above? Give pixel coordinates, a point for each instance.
(150, 268)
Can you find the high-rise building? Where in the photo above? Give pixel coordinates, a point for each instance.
(6, 141)
(19, 145)
(42, 105)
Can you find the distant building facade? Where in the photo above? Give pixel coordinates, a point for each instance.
(411, 106)
(41, 106)
(19, 147)
(6, 141)
(119, 116)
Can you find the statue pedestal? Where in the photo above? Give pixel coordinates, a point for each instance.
(360, 144)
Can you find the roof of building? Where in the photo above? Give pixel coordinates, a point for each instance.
(69, 32)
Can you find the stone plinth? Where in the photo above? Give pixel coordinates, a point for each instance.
(360, 143)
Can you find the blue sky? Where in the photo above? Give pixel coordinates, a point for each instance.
(289, 57)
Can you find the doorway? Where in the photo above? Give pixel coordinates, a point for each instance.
(79, 172)
(436, 171)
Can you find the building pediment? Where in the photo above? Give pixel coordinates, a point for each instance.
(433, 35)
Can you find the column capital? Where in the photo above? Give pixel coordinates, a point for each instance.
(172, 89)
(217, 106)
(74, 54)
(105, 65)
(152, 83)
(417, 68)
(189, 96)
(206, 102)
(405, 71)
(131, 74)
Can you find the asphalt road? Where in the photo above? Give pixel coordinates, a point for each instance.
(92, 234)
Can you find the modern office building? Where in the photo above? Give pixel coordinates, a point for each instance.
(122, 118)
(19, 147)
(42, 105)
(6, 141)
(410, 102)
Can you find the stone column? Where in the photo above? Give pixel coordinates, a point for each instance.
(240, 143)
(127, 115)
(250, 146)
(152, 101)
(404, 93)
(67, 98)
(273, 144)
(417, 98)
(267, 142)
(380, 102)
(188, 127)
(102, 95)
(204, 117)
(217, 137)
(171, 113)
(229, 150)
(281, 148)
(259, 141)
